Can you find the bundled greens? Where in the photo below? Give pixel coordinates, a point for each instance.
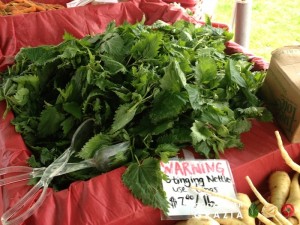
(160, 87)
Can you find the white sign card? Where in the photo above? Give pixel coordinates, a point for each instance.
(213, 175)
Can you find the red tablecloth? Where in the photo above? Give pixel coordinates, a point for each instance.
(48, 27)
(105, 200)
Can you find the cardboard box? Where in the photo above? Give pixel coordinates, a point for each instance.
(281, 90)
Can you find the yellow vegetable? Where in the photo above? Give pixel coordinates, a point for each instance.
(279, 186)
(245, 208)
(294, 196)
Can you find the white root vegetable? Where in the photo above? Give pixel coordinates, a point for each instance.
(279, 186)
(293, 220)
(286, 157)
(201, 220)
(261, 217)
(268, 210)
(294, 196)
(247, 219)
(230, 221)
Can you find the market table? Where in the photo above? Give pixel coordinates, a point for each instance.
(104, 199)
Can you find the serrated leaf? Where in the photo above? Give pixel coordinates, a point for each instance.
(124, 114)
(173, 104)
(21, 96)
(109, 42)
(241, 125)
(38, 55)
(203, 149)
(46, 156)
(233, 74)
(145, 182)
(28, 80)
(73, 108)
(33, 162)
(147, 47)
(50, 120)
(214, 116)
(166, 151)
(194, 96)
(200, 132)
(174, 78)
(112, 65)
(205, 70)
(93, 144)
(67, 125)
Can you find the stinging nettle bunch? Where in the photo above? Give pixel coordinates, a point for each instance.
(161, 87)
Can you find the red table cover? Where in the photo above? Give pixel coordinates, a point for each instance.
(104, 200)
(48, 27)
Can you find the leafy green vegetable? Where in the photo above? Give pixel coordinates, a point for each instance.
(148, 187)
(160, 87)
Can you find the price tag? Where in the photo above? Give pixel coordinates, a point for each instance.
(212, 175)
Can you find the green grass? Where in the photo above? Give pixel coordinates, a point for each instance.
(274, 23)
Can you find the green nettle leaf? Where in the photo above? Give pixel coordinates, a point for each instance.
(173, 104)
(241, 125)
(233, 74)
(94, 144)
(194, 96)
(161, 127)
(112, 65)
(214, 117)
(50, 121)
(174, 79)
(124, 114)
(38, 55)
(67, 125)
(33, 162)
(148, 46)
(203, 149)
(145, 182)
(73, 108)
(46, 156)
(28, 80)
(21, 97)
(166, 151)
(206, 70)
(8, 88)
(200, 132)
(109, 42)
(251, 97)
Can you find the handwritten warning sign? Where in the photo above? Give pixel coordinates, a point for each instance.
(212, 175)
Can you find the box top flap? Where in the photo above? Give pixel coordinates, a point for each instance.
(288, 59)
